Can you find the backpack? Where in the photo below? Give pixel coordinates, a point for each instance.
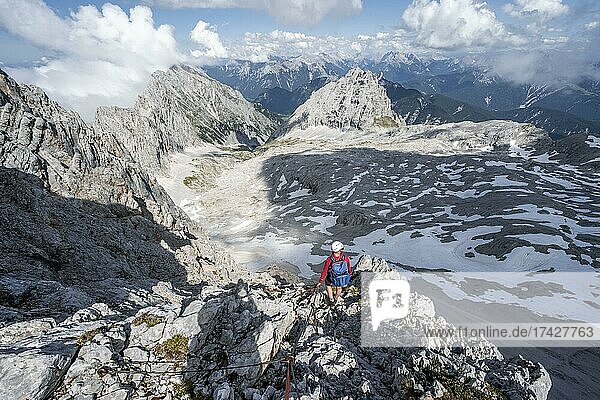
(338, 272)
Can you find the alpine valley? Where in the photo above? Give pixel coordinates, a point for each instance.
(169, 250)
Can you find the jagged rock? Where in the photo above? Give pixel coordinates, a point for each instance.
(355, 101)
(76, 206)
(37, 355)
(179, 108)
(120, 355)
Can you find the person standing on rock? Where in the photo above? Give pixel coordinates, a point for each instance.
(336, 272)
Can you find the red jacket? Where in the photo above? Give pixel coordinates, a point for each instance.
(328, 264)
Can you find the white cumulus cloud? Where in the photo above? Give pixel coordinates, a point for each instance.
(99, 56)
(293, 12)
(35, 22)
(102, 56)
(206, 36)
(456, 24)
(540, 9)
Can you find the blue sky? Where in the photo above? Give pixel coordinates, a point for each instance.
(375, 15)
(87, 53)
(233, 23)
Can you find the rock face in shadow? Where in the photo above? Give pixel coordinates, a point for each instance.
(183, 107)
(82, 220)
(58, 254)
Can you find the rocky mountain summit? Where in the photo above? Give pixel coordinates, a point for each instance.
(355, 101)
(183, 107)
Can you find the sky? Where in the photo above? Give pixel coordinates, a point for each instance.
(90, 53)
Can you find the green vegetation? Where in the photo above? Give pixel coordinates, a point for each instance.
(149, 319)
(87, 337)
(456, 390)
(352, 290)
(385, 122)
(185, 391)
(189, 181)
(175, 348)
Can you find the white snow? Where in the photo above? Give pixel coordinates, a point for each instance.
(593, 141)
(299, 193)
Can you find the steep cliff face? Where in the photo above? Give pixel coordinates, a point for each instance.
(39, 137)
(80, 220)
(355, 101)
(183, 107)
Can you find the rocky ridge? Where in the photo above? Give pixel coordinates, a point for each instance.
(81, 222)
(232, 342)
(183, 107)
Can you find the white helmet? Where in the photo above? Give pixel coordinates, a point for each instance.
(337, 246)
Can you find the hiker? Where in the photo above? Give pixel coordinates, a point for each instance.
(336, 272)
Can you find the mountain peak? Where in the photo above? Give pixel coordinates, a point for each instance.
(187, 69)
(396, 57)
(355, 101)
(184, 107)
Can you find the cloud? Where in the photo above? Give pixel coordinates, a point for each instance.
(99, 57)
(206, 36)
(456, 24)
(33, 21)
(260, 47)
(563, 62)
(544, 67)
(291, 12)
(543, 10)
(592, 25)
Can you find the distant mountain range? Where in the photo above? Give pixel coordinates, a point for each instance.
(423, 91)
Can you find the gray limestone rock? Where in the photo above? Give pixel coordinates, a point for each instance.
(183, 107)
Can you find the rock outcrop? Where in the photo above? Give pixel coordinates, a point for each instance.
(356, 101)
(81, 223)
(183, 107)
(233, 342)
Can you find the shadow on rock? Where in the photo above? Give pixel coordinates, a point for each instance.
(378, 200)
(59, 255)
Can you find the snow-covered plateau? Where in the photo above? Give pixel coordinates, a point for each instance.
(487, 200)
